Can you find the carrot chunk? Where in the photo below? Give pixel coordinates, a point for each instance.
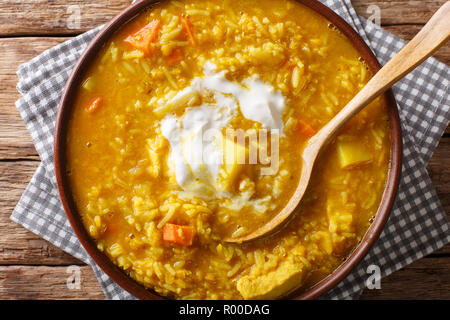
(143, 39)
(188, 27)
(305, 130)
(175, 57)
(95, 105)
(183, 235)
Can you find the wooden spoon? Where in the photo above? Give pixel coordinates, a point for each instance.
(429, 39)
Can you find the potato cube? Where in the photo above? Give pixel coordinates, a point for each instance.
(352, 154)
(234, 158)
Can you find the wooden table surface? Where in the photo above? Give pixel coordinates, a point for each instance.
(32, 268)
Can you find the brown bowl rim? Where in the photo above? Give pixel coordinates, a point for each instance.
(118, 275)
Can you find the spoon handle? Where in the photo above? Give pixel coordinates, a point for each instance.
(429, 39)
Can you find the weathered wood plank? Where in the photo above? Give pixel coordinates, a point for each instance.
(439, 170)
(426, 279)
(15, 141)
(18, 245)
(43, 282)
(40, 17)
(398, 11)
(31, 17)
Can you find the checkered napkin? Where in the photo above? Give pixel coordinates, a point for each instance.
(417, 226)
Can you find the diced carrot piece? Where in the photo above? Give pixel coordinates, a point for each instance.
(188, 27)
(175, 57)
(95, 105)
(305, 130)
(183, 235)
(143, 39)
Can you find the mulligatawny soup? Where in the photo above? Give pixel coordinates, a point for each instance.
(188, 128)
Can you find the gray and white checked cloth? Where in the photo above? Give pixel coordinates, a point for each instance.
(418, 224)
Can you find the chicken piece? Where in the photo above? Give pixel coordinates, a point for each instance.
(272, 285)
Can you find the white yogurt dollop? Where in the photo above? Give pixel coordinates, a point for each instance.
(258, 101)
(195, 138)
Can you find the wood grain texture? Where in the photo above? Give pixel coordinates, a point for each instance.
(32, 268)
(43, 282)
(17, 244)
(15, 141)
(439, 171)
(44, 17)
(424, 279)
